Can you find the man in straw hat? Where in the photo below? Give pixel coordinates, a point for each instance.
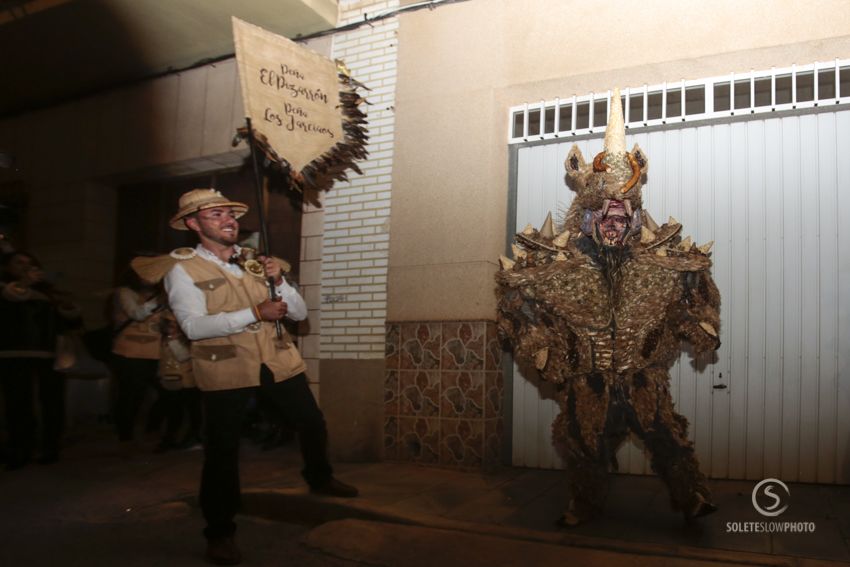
(222, 304)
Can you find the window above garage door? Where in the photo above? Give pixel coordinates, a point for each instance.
(774, 90)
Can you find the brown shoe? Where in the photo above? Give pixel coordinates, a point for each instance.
(223, 551)
(334, 487)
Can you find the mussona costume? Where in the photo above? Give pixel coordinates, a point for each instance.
(599, 308)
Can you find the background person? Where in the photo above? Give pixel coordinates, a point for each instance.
(136, 316)
(175, 375)
(33, 314)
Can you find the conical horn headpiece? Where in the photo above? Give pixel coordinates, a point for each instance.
(614, 156)
(615, 132)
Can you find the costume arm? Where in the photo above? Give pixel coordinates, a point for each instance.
(700, 324)
(190, 309)
(538, 340)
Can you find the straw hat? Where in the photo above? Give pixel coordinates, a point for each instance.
(200, 199)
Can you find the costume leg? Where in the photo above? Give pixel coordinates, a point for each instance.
(579, 433)
(18, 392)
(294, 398)
(220, 494)
(51, 395)
(665, 435)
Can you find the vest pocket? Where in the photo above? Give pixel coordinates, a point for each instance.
(213, 353)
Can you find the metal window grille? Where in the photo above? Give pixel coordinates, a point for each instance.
(756, 92)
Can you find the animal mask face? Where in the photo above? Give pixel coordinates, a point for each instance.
(612, 223)
(608, 190)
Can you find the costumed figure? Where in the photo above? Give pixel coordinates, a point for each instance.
(599, 308)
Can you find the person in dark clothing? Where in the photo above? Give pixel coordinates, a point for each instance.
(34, 314)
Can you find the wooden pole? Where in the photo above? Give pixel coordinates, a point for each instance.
(264, 232)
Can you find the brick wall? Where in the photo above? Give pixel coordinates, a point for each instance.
(355, 239)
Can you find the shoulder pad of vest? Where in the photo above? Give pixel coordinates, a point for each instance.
(153, 268)
(183, 253)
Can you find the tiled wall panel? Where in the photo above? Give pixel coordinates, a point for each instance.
(443, 393)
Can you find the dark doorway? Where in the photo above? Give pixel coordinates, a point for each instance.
(13, 207)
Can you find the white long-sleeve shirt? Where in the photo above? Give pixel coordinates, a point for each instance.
(131, 305)
(189, 305)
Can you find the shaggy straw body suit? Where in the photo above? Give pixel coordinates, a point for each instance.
(604, 322)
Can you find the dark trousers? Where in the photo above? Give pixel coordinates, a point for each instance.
(224, 412)
(177, 404)
(133, 378)
(19, 378)
(191, 399)
(172, 409)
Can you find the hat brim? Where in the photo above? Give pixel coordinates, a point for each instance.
(176, 222)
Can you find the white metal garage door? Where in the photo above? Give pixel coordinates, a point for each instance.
(774, 195)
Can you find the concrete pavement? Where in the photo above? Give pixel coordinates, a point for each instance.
(104, 506)
(521, 505)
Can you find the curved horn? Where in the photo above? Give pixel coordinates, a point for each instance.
(597, 162)
(635, 172)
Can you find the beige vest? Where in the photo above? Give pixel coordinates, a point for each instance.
(139, 339)
(174, 374)
(226, 363)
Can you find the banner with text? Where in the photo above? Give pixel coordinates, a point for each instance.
(290, 93)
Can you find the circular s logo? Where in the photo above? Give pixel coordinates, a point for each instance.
(770, 497)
